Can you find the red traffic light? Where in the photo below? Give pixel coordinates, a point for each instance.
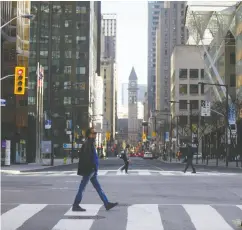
(20, 71)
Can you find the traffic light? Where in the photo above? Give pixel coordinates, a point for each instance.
(19, 82)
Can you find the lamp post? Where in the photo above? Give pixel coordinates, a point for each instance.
(27, 16)
(226, 115)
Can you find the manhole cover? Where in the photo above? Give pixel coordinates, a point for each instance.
(85, 217)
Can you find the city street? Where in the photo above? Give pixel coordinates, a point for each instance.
(153, 196)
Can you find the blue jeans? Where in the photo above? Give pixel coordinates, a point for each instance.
(85, 179)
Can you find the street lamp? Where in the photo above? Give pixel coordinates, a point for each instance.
(7, 76)
(226, 115)
(27, 16)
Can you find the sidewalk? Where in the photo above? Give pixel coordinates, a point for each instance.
(17, 168)
(211, 162)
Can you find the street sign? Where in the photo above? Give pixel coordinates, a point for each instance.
(3, 102)
(166, 136)
(205, 109)
(46, 147)
(47, 124)
(232, 115)
(68, 146)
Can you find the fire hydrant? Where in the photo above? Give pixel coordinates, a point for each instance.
(65, 159)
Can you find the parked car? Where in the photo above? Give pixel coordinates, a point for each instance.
(148, 155)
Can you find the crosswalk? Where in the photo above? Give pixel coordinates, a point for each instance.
(124, 216)
(119, 173)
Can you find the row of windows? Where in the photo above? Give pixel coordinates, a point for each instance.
(193, 89)
(193, 73)
(183, 104)
(57, 101)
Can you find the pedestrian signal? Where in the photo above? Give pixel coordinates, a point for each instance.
(19, 82)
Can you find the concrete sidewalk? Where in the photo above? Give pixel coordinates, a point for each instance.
(211, 162)
(17, 168)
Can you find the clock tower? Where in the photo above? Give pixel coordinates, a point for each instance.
(133, 108)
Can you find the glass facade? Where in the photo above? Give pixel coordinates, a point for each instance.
(60, 42)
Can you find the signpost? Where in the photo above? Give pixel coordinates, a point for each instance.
(205, 109)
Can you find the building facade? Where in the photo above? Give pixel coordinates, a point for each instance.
(14, 52)
(187, 69)
(109, 118)
(65, 40)
(133, 108)
(154, 8)
(170, 32)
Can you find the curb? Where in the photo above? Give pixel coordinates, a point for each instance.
(204, 165)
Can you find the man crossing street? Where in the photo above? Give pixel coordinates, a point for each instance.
(88, 169)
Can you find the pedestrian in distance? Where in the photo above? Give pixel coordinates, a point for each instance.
(88, 169)
(125, 158)
(189, 159)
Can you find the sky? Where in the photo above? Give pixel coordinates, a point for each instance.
(132, 27)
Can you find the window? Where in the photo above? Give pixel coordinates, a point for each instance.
(56, 54)
(232, 58)
(193, 73)
(80, 70)
(31, 85)
(67, 69)
(232, 80)
(182, 120)
(31, 100)
(68, 8)
(67, 85)
(67, 100)
(68, 54)
(80, 55)
(194, 104)
(68, 38)
(44, 53)
(81, 39)
(183, 89)
(165, 52)
(202, 73)
(183, 73)
(182, 104)
(193, 89)
(68, 23)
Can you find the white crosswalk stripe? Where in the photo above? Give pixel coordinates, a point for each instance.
(138, 216)
(130, 173)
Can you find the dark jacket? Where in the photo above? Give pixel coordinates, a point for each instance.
(86, 163)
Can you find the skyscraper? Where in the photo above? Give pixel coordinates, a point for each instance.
(154, 8)
(108, 72)
(170, 32)
(64, 39)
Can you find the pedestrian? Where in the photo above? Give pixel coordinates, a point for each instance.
(88, 169)
(189, 158)
(125, 158)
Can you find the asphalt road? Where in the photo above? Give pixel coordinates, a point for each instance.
(41, 200)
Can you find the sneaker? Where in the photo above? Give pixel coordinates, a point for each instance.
(110, 205)
(77, 208)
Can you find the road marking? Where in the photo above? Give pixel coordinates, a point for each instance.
(144, 173)
(76, 224)
(102, 173)
(164, 173)
(15, 218)
(143, 217)
(204, 217)
(239, 206)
